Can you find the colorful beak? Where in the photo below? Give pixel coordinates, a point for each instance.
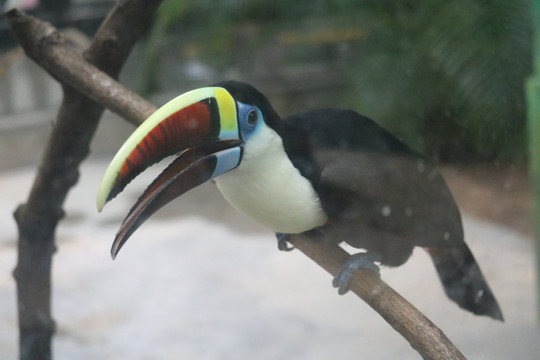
(201, 126)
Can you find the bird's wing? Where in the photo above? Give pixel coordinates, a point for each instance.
(373, 181)
(399, 196)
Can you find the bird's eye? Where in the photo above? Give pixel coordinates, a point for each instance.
(252, 117)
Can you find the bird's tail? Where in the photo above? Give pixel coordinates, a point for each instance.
(463, 281)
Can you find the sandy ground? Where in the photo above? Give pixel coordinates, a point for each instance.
(199, 281)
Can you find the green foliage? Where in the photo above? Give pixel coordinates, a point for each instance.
(446, 76)
(451, 74)
(168, 14)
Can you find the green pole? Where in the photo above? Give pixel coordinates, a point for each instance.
(533, 103)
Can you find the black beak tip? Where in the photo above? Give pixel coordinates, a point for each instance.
(115, 248)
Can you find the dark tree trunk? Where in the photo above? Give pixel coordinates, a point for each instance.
(67, 147)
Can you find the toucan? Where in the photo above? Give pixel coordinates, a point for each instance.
(331, 174)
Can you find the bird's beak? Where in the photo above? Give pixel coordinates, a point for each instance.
(201, 126)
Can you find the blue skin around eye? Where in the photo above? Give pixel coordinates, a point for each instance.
(246, 130)
(228, 159)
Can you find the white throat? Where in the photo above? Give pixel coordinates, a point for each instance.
(269, 189)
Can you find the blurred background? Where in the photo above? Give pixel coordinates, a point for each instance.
(447, 77)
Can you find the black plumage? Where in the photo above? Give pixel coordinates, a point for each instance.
(378, 194)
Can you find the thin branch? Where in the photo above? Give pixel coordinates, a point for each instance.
(421, 333)
(68, 145)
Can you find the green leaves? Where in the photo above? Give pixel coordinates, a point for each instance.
(454, 71)
(446, 76)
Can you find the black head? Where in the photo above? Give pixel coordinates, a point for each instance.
(295, 140)
(247, 94)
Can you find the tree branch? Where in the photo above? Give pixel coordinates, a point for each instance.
(421, 333)
(68, 145)
(424, 336)
(46, 46)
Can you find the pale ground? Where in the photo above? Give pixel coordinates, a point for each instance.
(199, 281)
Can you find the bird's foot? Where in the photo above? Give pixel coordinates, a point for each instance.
(365, 260)
(282, 243)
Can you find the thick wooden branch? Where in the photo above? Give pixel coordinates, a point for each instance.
(68, 145)
(421, 333)
(45, 45)
(424, 336)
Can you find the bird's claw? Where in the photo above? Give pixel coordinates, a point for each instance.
(364, 260)
(282, 243)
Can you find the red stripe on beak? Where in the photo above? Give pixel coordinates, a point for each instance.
(180, 130)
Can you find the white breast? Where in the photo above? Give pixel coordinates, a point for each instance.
(269, 189)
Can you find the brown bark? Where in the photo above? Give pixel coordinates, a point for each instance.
(424, 336)
(68, 145)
